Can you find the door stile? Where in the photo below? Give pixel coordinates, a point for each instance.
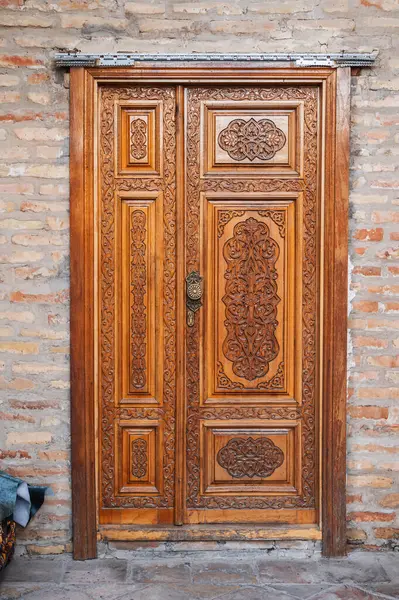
(180, 449)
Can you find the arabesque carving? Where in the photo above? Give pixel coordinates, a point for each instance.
(251, 299)
(250, 139)
(249, 457)
(138, 138)
(139, 458)
(138, 282)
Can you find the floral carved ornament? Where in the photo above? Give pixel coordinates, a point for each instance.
(250, 139)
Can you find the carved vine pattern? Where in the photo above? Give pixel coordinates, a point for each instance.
(309, 95)
(109, 187)
(224, 216)
(138, 139)
(250, 457)
(251, 299)
(250, 139)
(274, 383)
(138, 282)
(277, 216)
(139, 458)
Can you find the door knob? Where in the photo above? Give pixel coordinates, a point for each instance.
(194, 290)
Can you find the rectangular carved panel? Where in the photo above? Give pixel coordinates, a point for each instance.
(139, 457)
(138, 140)
(141, 309)
(250, 457)
(253, 138)
(250, 260)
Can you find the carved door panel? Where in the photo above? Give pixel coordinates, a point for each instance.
(251, 233)
(137, 304)
(229, 432)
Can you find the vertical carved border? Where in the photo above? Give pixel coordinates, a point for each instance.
(109, 187)
(309, 95)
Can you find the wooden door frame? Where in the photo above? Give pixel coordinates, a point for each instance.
(335, 84)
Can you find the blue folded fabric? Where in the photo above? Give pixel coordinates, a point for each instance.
(18, 499)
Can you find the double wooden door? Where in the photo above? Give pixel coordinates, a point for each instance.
(208, 310)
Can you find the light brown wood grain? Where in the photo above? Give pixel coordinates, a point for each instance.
(233, 532)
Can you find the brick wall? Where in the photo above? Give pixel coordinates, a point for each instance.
(34, 359)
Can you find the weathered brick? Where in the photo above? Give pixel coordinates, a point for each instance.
(384, 361)
(39, 98)
(208, 6)
(145, 8)
(9, 80)
(25, 20)
(60, 297)
(20, 317)
(40, 134)
(369, 235)
(368, 412)
(20, 256)
(390, 501)
(367, 271)
(37, 368)
(29, 437)
(367, 516)
(365, 306)
(372, 481)
(386, 533)
(19, 61)
(19, 347)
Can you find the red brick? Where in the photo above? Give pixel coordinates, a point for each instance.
(369, 342)
(20, 454)
(13, 417)
(367, 271)
(60, 297)
(384, 361)
(36, 78)
(19, 61)
(385, 217)
(368, 412)
(366, 306)
(34, 404)
(367, 516)
(390, 501)
(386, 533)
(353, 498)
(369, 235)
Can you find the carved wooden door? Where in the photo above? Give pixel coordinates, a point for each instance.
(238, 167)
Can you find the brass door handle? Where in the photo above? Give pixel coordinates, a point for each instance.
(194, 290)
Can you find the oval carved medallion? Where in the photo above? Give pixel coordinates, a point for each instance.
(249, 457)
